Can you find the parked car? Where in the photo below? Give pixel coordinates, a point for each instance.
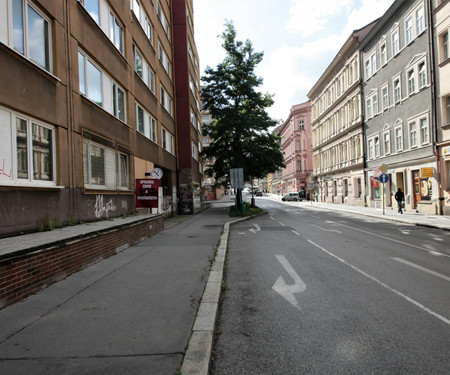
(292, 197)
(259, 193)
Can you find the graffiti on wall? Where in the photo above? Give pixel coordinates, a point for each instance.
(4, 172)
(102, 208)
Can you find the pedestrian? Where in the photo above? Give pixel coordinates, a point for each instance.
(399, 197)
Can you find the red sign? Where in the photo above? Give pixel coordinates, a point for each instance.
(147, 193)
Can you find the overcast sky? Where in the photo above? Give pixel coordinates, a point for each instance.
(299, 38)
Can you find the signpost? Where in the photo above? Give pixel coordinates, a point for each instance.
(384, 178)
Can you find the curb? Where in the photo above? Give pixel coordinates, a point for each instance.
(197, 358)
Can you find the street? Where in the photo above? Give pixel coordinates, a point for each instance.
(310, 291)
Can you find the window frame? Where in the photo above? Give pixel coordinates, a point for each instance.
(413, 134)
(422, 128)
(395, 42)
(387, 142)
(87, 60)
(398, 136)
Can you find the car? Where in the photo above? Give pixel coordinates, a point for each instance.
(292, 197)
(259, 193)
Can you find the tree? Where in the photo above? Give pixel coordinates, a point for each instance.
(239, 133)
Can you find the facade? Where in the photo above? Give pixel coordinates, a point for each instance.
(188, 108)
(337, 121)
(398, 125)
(441, 22)
(87, 105)
(296, 142)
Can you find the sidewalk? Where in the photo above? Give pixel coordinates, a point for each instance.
(131, 313)
(408, 217)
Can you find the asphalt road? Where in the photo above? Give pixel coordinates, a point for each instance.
(319, 292)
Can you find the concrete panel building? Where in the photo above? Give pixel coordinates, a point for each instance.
(87, 105)
(398, 116)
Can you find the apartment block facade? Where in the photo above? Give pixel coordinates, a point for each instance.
(441, 22)
(296, 142)
(337, 127)
(399, 120)
(87, 106)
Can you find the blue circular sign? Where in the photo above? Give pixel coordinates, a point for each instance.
(384, 178)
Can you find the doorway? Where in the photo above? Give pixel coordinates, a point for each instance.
(416, 188)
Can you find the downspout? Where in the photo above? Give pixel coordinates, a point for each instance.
(434, 104)
(361, 110)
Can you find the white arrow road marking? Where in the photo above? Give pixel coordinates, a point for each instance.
(422, 268)
(258, 229)
(288, 291)
(328, 230)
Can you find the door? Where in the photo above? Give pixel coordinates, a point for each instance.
(416, 188)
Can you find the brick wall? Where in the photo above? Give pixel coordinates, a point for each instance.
(26, 274)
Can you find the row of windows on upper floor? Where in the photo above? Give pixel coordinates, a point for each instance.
(388, 48)
(29, 157)
(336, 88)
(346, 151)
(398, 90)
(415, 135)
(28, 31)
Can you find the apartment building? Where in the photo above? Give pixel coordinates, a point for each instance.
(398, 125)
(337, 126)
(87, 105)
(441, 22)
(296, 142)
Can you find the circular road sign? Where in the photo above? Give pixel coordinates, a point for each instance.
(384, 178)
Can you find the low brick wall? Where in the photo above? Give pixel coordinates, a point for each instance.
(27, 272)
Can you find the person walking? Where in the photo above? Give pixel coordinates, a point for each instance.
(399, 197)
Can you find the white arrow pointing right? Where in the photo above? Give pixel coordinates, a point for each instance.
(288, 291)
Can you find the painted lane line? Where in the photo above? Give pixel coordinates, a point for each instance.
(419, 305)
(285, 290)
(281, 224)
(393, 240)
(327, 230)
(422, 268)
(293, 231)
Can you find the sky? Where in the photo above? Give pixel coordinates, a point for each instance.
(299, 39)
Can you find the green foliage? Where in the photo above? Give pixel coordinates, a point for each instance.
(240, 130)
(249, 211)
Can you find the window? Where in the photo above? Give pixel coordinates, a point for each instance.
(143, 70)
(447, 109)
(383, 53)
(194, 150)
(409, 30)
(104, 167)
(424, 132)
(27, 151)
(395, 45)
(118, 102)
(420, 20)
(164, 60)
(387, 143)
(92, 8)
(90, 79)
(412, 134)
(373, 63)
(167, 140)
(375, 104)
(367, 69)
(445, 47)
(397, 91)
(411, 82)
(163, 19)
(136, 7)
(299, 165)
(369, 108)
(377, 147)
(372, 105)
(148, 28)
(31, 33)
(422, 75)
(298, 146)
(399, 139)
(385, 95)
(115, 31)
(146, 124)
(138, 64)
(370, 148)
(301, 125)
(166, 100)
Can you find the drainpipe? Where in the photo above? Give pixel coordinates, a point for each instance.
(434, 103)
